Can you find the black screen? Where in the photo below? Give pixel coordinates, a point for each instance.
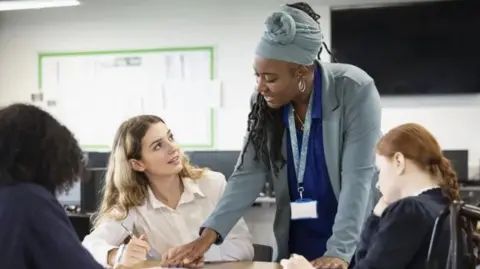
(92, 190)
(219, 161)
(421, 48)
(97, 159)
(459, 162)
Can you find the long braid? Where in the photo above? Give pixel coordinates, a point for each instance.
(449, 182)
(262, 120)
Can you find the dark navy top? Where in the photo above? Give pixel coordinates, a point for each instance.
(36, 232)
(308, 237)
(400, 238)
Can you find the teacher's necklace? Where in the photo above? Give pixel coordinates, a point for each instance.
(302, 123)
(300, 120)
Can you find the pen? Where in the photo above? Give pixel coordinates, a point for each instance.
(128, 231)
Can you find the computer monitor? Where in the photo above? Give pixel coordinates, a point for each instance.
(459, 161)
(91, 190)
(219, 160)
(97, 159)
(71, 198)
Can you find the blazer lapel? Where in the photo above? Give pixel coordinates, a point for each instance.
(280, 181)
(331, 128)
(281, 225)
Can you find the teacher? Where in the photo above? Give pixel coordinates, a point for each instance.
(312, 128)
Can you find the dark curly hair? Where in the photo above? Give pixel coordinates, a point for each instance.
(263, 119)
(36, 148)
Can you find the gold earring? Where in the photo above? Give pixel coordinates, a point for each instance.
(301, 85)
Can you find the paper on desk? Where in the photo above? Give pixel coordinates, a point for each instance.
(296, 262)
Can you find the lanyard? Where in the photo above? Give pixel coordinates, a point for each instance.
(300, 157)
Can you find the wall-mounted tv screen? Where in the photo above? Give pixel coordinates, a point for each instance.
(409, 49)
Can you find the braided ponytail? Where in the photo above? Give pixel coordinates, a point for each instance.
(448, 180)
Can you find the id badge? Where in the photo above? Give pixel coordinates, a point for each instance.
(304, 209)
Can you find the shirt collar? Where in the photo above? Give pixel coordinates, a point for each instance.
(316, 94)
(424, 190)
(190, 192)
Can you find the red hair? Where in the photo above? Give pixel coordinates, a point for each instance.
(417, 144)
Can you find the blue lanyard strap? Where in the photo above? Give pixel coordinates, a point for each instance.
(300, 157)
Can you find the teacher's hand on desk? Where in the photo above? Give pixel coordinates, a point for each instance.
(167, 262)
(192, 253)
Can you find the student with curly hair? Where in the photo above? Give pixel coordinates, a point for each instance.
(39, 159)
(154, 192)
(312, 128)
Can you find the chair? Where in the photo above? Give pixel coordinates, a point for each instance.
(262, 253)
(81, 224)
(462, 254)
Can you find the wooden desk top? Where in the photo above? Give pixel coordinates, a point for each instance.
(221, 265)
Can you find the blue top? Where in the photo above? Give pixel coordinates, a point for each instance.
(308, 237)
(400, 238)
(36, 232)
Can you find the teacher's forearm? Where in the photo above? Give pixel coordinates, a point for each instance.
(209, 235)
(240, 193)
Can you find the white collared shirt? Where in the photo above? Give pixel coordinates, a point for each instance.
(166, 227)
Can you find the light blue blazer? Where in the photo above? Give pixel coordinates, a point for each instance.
(351, 128)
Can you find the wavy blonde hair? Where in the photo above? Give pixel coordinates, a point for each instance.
(124, 187)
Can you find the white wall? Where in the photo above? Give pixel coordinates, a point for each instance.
(232, 29)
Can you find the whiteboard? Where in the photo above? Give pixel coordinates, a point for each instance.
(94, 93)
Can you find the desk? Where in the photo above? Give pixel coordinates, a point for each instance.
(222, 265)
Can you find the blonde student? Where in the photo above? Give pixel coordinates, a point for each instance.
(157, 199)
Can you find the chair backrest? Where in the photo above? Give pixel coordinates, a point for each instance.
(262, 253)
(81, 224)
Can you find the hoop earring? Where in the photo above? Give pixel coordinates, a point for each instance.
(301, 85)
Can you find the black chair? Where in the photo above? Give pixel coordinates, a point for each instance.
(463, 248)
(81, 224)
(262, 253)
(91, 190)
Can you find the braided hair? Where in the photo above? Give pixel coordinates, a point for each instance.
(309, 10)
(305, 8)
(263, 120)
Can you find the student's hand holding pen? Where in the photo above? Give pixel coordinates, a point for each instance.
(136, 251)
(132, 253)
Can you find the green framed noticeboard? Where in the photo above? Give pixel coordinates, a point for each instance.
(42, 57)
